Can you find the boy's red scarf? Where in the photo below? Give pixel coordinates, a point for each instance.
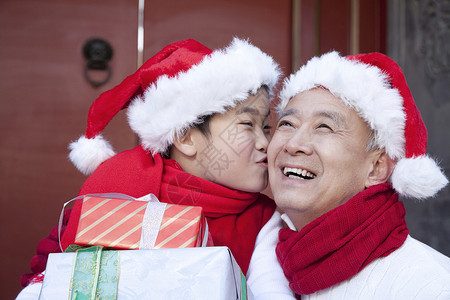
(234, 218)
(340, 243)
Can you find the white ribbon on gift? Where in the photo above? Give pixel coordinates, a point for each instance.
(150, 225)
(151, 222)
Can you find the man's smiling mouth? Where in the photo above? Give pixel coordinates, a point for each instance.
(298, 173)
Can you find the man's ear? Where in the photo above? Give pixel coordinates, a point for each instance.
(382, 168)
(186, 143)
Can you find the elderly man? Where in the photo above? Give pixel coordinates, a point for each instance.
(348, 141)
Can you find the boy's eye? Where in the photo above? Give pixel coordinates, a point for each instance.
(247, 123)
(267, 128)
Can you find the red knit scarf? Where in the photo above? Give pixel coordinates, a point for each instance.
(234, 217)
(340, 243)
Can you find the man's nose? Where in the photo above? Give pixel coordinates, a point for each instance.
(299, 143)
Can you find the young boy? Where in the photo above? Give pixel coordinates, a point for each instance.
(202, 117)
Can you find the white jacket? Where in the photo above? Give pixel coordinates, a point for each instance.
(265, 278)
(413, 271)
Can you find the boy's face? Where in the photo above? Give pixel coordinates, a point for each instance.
(234, 155)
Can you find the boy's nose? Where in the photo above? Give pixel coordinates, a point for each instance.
(262, 142)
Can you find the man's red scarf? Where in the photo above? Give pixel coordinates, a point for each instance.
(340, 243)
(234, 217)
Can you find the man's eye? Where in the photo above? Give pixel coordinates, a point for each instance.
(267, 128)
(246, 123)
(324, 126)
(284, 123)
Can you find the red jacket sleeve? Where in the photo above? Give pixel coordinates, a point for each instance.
(46, 246)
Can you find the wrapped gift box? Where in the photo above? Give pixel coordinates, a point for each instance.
(133, 224)
(183, 273)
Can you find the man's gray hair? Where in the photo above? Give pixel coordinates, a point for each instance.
(372, 141)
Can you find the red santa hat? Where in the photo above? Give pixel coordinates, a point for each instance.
(374, 86)
(171, 91)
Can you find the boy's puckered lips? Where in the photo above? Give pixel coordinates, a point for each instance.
(262, 161)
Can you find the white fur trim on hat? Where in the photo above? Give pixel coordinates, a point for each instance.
(363, 88)
(220, 81)
(419, 177)
(87, 154)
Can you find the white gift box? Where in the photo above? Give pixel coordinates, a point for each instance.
(179, 273)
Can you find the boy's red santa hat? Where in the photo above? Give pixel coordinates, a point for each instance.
(171, 91)
(374, 86)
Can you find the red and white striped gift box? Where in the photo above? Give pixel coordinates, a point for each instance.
(118, 224)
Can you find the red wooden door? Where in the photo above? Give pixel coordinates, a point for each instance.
(44, 102)
(214, 23)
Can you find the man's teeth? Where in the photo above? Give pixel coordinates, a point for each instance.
(296, 173)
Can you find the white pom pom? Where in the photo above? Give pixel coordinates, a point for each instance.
(419, 177)
(87, 154)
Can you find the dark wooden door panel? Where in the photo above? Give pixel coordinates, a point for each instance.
(45, 98)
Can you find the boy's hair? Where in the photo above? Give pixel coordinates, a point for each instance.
(203, 125)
